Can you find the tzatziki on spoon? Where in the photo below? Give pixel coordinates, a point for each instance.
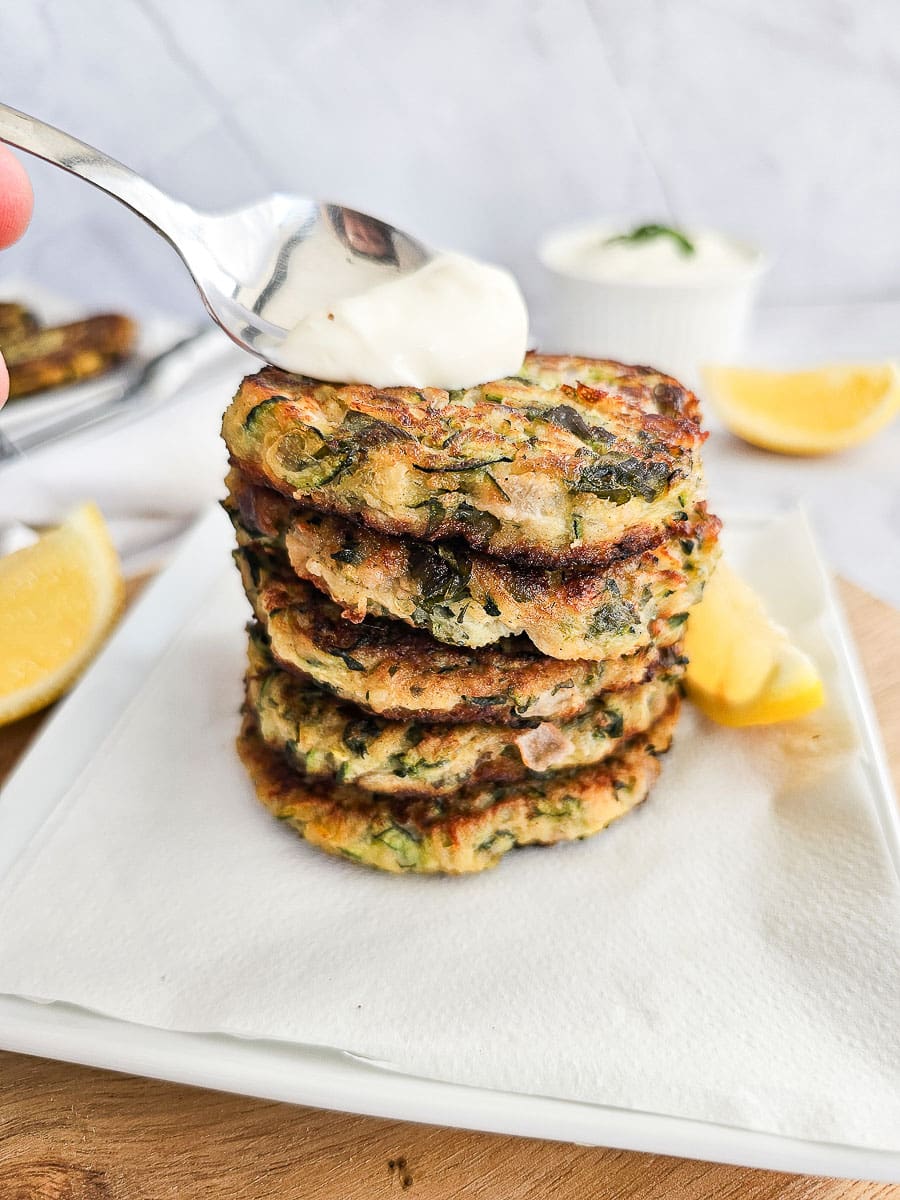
(315, 288)
(450, 324)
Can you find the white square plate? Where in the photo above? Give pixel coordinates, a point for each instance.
(331, 1078)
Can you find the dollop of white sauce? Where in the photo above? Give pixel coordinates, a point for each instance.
(453, 323)
(589, 254)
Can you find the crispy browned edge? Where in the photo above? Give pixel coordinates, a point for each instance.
(673, 398)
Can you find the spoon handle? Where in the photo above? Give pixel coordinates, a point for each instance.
(169, 217)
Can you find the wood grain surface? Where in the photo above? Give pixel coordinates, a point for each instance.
(73, 1133)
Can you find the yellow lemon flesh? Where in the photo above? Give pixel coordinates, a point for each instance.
(743, 669)
(58, 600)
(805, 412)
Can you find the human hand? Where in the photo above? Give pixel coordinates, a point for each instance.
(16, 203)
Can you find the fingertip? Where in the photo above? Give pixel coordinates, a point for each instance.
(16, 198)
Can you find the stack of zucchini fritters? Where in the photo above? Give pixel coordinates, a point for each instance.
(469, 605)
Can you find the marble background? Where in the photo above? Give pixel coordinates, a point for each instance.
(474, 123)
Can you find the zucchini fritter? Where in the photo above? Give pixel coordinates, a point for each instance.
(542, 473)
(325, 738)
(464, 833)
(470, 599)
(49, 357)
(387, 668)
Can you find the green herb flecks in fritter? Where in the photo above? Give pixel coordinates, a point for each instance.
(467, 832)
(326, 738)
(530, 469)
(469, 599)
(388, 668)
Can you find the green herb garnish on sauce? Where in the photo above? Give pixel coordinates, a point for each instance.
(646, 233)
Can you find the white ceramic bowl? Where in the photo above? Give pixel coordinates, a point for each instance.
(675, 327)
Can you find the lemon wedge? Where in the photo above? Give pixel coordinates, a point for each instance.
(805, 412)
(743, 669)
(58, 600)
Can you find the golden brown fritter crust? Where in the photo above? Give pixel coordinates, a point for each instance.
(326, 738)
(461, 834)
(389, 669)
(47, 358)
(465, 598)
(544, 475)
(646, 386)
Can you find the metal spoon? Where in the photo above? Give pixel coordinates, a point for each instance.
(259, 269)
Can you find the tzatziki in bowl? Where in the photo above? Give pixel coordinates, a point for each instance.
(649, 293)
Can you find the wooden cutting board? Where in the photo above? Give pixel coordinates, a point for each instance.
(73, 1133)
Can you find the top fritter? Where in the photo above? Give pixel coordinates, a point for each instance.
(572, 462)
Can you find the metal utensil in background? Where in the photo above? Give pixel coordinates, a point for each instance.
(242, 261)
(136, 387)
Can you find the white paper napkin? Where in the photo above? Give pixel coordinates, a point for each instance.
(729, 952)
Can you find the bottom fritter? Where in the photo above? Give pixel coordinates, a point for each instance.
(464, 833)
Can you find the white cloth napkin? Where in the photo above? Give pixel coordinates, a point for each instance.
(152, 470)
(729, 952)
